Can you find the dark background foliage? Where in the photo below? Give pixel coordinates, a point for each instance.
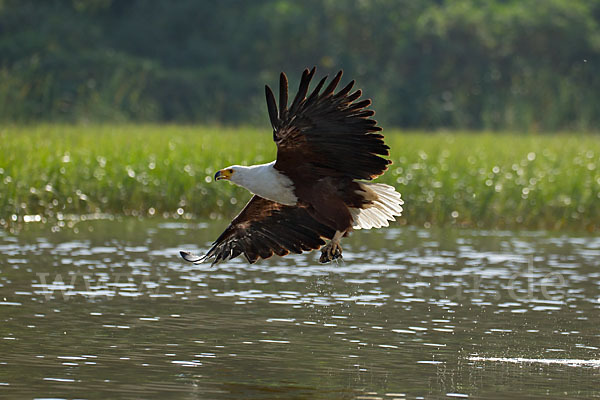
(498, 64)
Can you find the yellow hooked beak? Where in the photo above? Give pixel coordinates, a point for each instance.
(224, 174)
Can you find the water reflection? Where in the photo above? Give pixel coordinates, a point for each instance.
(409, 313)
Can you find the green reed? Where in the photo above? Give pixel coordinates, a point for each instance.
(481, 180)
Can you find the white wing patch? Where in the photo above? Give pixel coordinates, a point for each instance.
(387, 204)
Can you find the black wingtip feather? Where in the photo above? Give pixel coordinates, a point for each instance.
(333, 84)
(302, 88)
(317, 89)
(272, 107)
(345, 90)
(355, 96)
(283, 96)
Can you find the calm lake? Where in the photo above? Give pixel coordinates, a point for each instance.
(107, 309)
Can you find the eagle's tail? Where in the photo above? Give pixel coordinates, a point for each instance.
(385, 204)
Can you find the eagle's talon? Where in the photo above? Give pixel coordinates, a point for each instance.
(332, 251)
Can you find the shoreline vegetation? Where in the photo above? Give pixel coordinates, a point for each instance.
(480, 180)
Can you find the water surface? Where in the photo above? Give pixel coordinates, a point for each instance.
(108, 310)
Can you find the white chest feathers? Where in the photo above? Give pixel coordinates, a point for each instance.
(265, 181)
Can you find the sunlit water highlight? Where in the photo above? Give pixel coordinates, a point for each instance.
(110, 310)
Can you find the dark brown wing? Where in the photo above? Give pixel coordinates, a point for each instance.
(326, 133)
(264, 228)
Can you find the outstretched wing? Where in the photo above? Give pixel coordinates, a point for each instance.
(264, 228)
(326, 133)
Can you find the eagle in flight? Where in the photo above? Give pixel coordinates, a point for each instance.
(319, 187)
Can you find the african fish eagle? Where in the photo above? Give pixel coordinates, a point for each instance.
(328, 151)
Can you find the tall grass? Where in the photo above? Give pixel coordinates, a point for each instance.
(482, 180)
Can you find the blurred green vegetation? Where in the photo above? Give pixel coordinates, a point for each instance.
(485, 180)
(466, 64)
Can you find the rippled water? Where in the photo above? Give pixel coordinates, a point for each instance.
(109, 310)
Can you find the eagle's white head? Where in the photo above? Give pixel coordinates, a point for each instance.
(240, 175)
(225, 173)
(263, 180)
